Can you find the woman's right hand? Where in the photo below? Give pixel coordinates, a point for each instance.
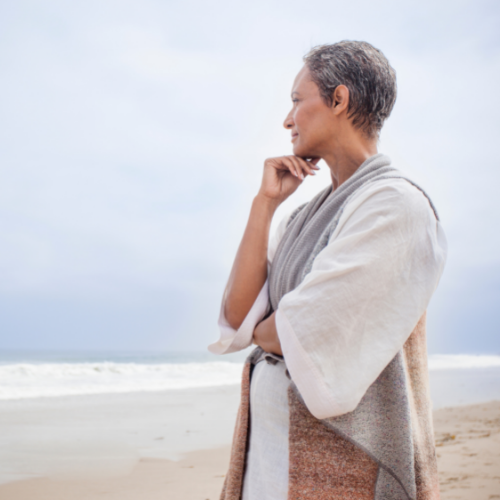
(283, 175)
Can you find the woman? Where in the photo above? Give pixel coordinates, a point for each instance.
(335, 400)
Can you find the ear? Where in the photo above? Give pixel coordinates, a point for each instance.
(340, 99)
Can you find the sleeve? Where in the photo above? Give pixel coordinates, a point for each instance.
(365, 293)
(232, 340)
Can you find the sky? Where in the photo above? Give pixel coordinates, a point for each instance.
(132, 141)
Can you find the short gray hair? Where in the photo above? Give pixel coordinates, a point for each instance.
(365, 71)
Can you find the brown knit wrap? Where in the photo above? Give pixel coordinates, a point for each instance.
(233, 484)
(417, 376)
(332, 468)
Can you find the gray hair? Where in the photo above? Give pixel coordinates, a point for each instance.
(365, 71)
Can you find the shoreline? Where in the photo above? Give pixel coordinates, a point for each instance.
(450, 386)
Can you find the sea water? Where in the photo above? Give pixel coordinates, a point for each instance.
(30, 374)
(455, 379)
(55, 421)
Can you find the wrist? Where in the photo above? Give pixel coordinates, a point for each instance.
(268, 204)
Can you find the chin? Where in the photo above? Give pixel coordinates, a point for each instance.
(302, 152)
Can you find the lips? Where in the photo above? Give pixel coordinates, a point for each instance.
(294, 136)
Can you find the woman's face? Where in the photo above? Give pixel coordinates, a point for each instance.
(310, 120)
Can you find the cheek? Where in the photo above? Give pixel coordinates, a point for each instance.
(303, 120)
(308, 124)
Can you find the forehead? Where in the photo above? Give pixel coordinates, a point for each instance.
(303, 83)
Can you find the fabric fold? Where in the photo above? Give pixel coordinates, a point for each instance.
(304, 373)
(232, 340)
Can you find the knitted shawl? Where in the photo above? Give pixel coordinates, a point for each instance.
(384, 449)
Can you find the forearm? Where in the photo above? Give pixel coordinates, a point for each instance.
(281, 178)
(249, 271)
(266, 335)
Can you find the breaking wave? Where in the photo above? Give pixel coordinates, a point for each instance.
(462, 361)
(21, 380)
(27, 380)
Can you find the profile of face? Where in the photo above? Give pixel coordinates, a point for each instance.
(311, 121)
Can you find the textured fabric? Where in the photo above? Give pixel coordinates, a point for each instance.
(385, 408)
(327, 463)
(417, 377)
(402, 448)
(233, 482)
(310, 228)
(324, 465)
(366, 291)
(230, 341)
(381, 425)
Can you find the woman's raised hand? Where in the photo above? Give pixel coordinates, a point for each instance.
(284, 174)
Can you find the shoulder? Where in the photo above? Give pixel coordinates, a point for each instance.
(390, 218)
(393, 208)
(396, 197)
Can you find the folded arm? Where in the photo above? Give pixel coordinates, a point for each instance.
(365, 293)
(266, 335)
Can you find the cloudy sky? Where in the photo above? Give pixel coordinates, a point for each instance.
(132, 137)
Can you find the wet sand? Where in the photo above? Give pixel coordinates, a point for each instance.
(175, 445)
(199, 476)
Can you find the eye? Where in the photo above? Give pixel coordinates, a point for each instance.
(295, 100)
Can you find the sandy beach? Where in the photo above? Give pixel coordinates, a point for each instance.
(134, 446)
(199, 476)
(468, 450)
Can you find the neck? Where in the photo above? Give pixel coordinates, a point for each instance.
(347, 154)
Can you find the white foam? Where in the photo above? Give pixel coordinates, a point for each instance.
(28, 380)
(462, 361)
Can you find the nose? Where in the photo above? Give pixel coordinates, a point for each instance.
(288, 123)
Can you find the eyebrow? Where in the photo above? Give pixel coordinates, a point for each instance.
(294, 92)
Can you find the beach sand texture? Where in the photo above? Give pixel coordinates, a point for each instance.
(199, 476)
(468, 446)
(468, 450)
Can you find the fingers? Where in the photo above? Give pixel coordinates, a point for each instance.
(297, 166)
(292, 166)
(307, 167)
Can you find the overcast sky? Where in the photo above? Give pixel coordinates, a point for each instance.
(132, 137)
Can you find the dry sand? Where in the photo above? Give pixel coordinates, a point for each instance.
(199, 476)
(468, 449)
(468, 446)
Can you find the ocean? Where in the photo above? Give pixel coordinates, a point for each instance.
(455, 379)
